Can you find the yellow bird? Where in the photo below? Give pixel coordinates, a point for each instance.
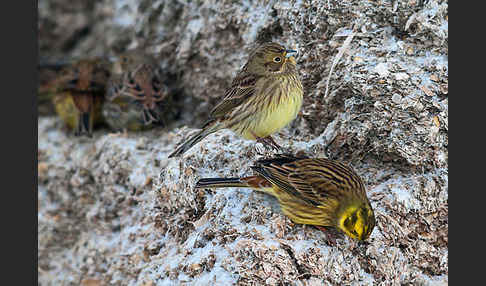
(319, 192)
(264, 97)
(78, 93)
(135, 93)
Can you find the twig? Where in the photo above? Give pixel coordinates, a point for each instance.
(338, 57)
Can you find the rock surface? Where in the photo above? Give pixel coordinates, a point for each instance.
(113, 210)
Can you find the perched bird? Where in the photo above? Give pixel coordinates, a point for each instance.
(79, 92)
(69, 106)
(263, 98)
(122, 112)
(135, 92)
(319, 192)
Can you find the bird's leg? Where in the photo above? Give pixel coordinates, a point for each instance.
(330, 237)
(267, 141)
(260, 139)
(272, 143)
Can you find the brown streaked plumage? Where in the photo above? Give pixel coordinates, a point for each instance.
(315, 191)
(85, 82)
(263, 98)
(138, 83)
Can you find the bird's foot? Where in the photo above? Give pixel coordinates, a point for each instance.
(273, 144)
(331, 238)
(268, 142)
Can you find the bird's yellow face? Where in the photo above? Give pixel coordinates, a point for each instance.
(357, 222)
(270, 59)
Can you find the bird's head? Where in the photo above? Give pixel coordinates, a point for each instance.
(271, 58)
(357, 221)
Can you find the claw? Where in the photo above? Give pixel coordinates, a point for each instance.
(330, 237)
(268, 141)
(273, 143)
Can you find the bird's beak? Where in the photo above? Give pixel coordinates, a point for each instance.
(290, 53)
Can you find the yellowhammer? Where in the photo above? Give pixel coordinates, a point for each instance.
(318, 191)
(263, 98)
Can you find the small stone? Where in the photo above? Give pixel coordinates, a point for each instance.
(375, 93)
(436, 121)
(271, 281)
(427, 91)
(397, 98)
(382, 69)
(401, 76)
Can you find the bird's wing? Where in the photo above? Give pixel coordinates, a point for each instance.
(320, 178)
(100, 76)
(84, 76)
(83, 102)
(242, 87)
(287, 174)
(310, 180)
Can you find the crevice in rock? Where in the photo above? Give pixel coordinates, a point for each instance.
(300, 269)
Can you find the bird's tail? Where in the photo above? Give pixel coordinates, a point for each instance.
(85, 124)
(84, 104)
(254, 182)
(208, 129)
(210, 183)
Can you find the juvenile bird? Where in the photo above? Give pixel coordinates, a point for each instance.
(319, 192)
(78, 93)
(263, 98)
(134, 93)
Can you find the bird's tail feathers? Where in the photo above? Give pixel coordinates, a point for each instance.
(210, 183)
(84, 126)
(208, 129)
(254, 182)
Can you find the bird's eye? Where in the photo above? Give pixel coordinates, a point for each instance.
(277, 59)
(347, 222)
